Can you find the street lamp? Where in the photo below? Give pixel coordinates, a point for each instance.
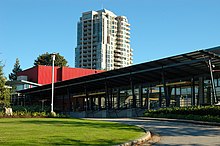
(53, 55)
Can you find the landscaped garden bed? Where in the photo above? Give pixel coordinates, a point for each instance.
(199, 113)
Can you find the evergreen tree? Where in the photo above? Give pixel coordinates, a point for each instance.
(45, 59)
(4, 91)
(16, 69)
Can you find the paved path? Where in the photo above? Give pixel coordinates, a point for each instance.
(177, 133)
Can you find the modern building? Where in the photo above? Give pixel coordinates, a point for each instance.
(103, 41)
(183, 80)
(41, 75)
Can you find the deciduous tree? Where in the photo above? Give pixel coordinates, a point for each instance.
(45, 59)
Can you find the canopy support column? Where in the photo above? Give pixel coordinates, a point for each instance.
(160, 97)
(141, 96)
(213, 98)
(118, 98)
(133, 94)
(201, 91)
(193, 92)
(86, 99)
(165, 89)
(106, 96)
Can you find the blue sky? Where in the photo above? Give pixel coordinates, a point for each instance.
(159, 28)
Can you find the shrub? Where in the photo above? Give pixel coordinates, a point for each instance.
(31, 111)
(203, 113)
(35, 108)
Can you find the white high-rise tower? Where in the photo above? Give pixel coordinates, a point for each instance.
(103, 41)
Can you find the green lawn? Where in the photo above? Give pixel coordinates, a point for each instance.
(54, 131)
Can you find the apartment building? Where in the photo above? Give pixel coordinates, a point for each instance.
(103, 41)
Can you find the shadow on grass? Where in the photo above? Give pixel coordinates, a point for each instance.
(82, 123)
(67, 141)
(59, 140)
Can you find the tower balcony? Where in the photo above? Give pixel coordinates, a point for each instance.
(119, 42)
(117, 54)
(118, 50)
(128, 33)
(128, 37)
(128, 28)
(117, 64)
(127, 41)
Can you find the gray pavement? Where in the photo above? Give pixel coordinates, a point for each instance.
(173, 133)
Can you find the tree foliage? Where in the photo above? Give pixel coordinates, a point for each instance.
(16, 69)
(4, 91)
(45, 59)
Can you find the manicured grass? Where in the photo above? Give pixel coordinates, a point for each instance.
(54, 131)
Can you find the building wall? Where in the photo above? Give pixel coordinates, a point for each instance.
(43, 74)
(70, 73)
(31, 73)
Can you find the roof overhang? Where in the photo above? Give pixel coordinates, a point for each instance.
(21, 82)
(188, 65)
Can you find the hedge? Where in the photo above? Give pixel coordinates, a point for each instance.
(201, 113)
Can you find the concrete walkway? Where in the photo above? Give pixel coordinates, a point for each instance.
(173, 133)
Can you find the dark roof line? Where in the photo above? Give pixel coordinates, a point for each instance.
(156, 65)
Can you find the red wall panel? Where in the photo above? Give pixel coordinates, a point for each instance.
(70, 73)
(31, 73)
(43, 74)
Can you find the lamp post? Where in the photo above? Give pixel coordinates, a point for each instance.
(53, 55)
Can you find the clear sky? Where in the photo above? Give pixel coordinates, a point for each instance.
(159, 28)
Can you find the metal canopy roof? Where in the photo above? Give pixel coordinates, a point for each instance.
(177, 67)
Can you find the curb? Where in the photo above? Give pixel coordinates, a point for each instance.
(140, 141)
(180, 120)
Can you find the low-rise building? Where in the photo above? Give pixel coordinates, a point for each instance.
(42, 75)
